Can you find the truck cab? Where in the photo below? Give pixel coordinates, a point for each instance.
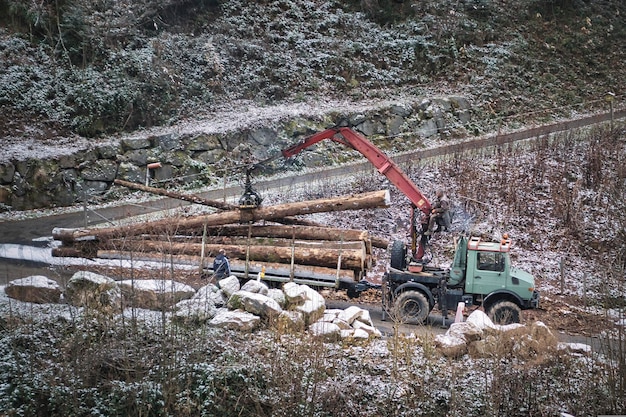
(491, 279)
(481, 274)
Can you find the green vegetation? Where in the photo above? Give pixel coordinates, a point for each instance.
(95, 67)
(96, 366)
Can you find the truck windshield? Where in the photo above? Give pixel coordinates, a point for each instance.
(490, 261)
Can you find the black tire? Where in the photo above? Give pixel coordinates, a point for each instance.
(398, 255)
(504, 312)
(411, 307)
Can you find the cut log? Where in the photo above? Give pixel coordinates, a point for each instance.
(346, 258)
(199, 200)
(261, 241)
(302, 274)
(185, 197)
(271, 241)
(171, 226)
(298, 232)
(289, 232)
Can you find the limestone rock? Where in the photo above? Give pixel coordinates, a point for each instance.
(230, 285)
(278, 296)
(467, 331)
(360, 334)
(294, 293)
(257, 304)
(212, 293)
(91, 290)
(313, 307)
(155, 294)
(350, 314)
(371, 330)
(543, 335)
(481, 320)
(34, 289)
(255, 287)
(195, 310)
(578, 348)
(328, 331)
(451, 346)
(343, 325)
(486, 348)
(235, 320)
(290, 321)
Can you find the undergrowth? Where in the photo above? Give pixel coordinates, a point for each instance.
(88, 366)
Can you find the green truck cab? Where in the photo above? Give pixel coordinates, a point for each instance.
(481, 274)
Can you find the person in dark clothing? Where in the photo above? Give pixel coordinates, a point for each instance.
(440, 213)
(221, 266)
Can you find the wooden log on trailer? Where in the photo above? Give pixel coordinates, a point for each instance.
(301, 274)
(269, 241)
(355, 259)
(289, 232)
(374, 199)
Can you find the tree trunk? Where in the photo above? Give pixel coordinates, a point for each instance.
(355, 259)
(273, 271)
(299, 232)
(199, 200)
(185, 197)
(172, 226)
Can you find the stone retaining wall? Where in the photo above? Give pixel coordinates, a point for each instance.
(203, 158)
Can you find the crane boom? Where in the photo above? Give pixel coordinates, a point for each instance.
(382, 162)
(385, 166)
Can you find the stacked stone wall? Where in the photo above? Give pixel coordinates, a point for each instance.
(204, 157)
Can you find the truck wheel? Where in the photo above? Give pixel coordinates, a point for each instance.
(412, 307)
(504, 312)
(398, 255)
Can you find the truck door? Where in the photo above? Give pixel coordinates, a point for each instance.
(488, 273)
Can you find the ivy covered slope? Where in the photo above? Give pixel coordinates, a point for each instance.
(92, 67)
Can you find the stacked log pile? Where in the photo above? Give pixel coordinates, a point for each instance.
(281, 251)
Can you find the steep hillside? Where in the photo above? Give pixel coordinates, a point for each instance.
(90, 68)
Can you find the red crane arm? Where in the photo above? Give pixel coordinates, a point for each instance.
(382, 162)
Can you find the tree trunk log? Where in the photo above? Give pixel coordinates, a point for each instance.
(273, 271)
(350, 258)
(199, 200)
(278, 242)
(171, 226)
(185, 197)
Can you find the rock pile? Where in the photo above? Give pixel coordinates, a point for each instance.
(479, 337)
(229, 305)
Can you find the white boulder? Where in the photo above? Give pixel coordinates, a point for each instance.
(155, 294)
(91, 290)
(328, 331)
(195, 310)
(34, 289)
(255, 286)
(235, 320)
(255, 303)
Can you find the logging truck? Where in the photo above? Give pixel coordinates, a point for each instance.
(481, 273)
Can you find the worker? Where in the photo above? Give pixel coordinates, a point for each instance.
(221, 266)
(440, 213)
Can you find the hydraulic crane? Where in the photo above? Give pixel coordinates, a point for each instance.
(350, 138)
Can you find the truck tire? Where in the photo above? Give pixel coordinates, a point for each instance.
(398, 255)
(411, 307)
(504, 312)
